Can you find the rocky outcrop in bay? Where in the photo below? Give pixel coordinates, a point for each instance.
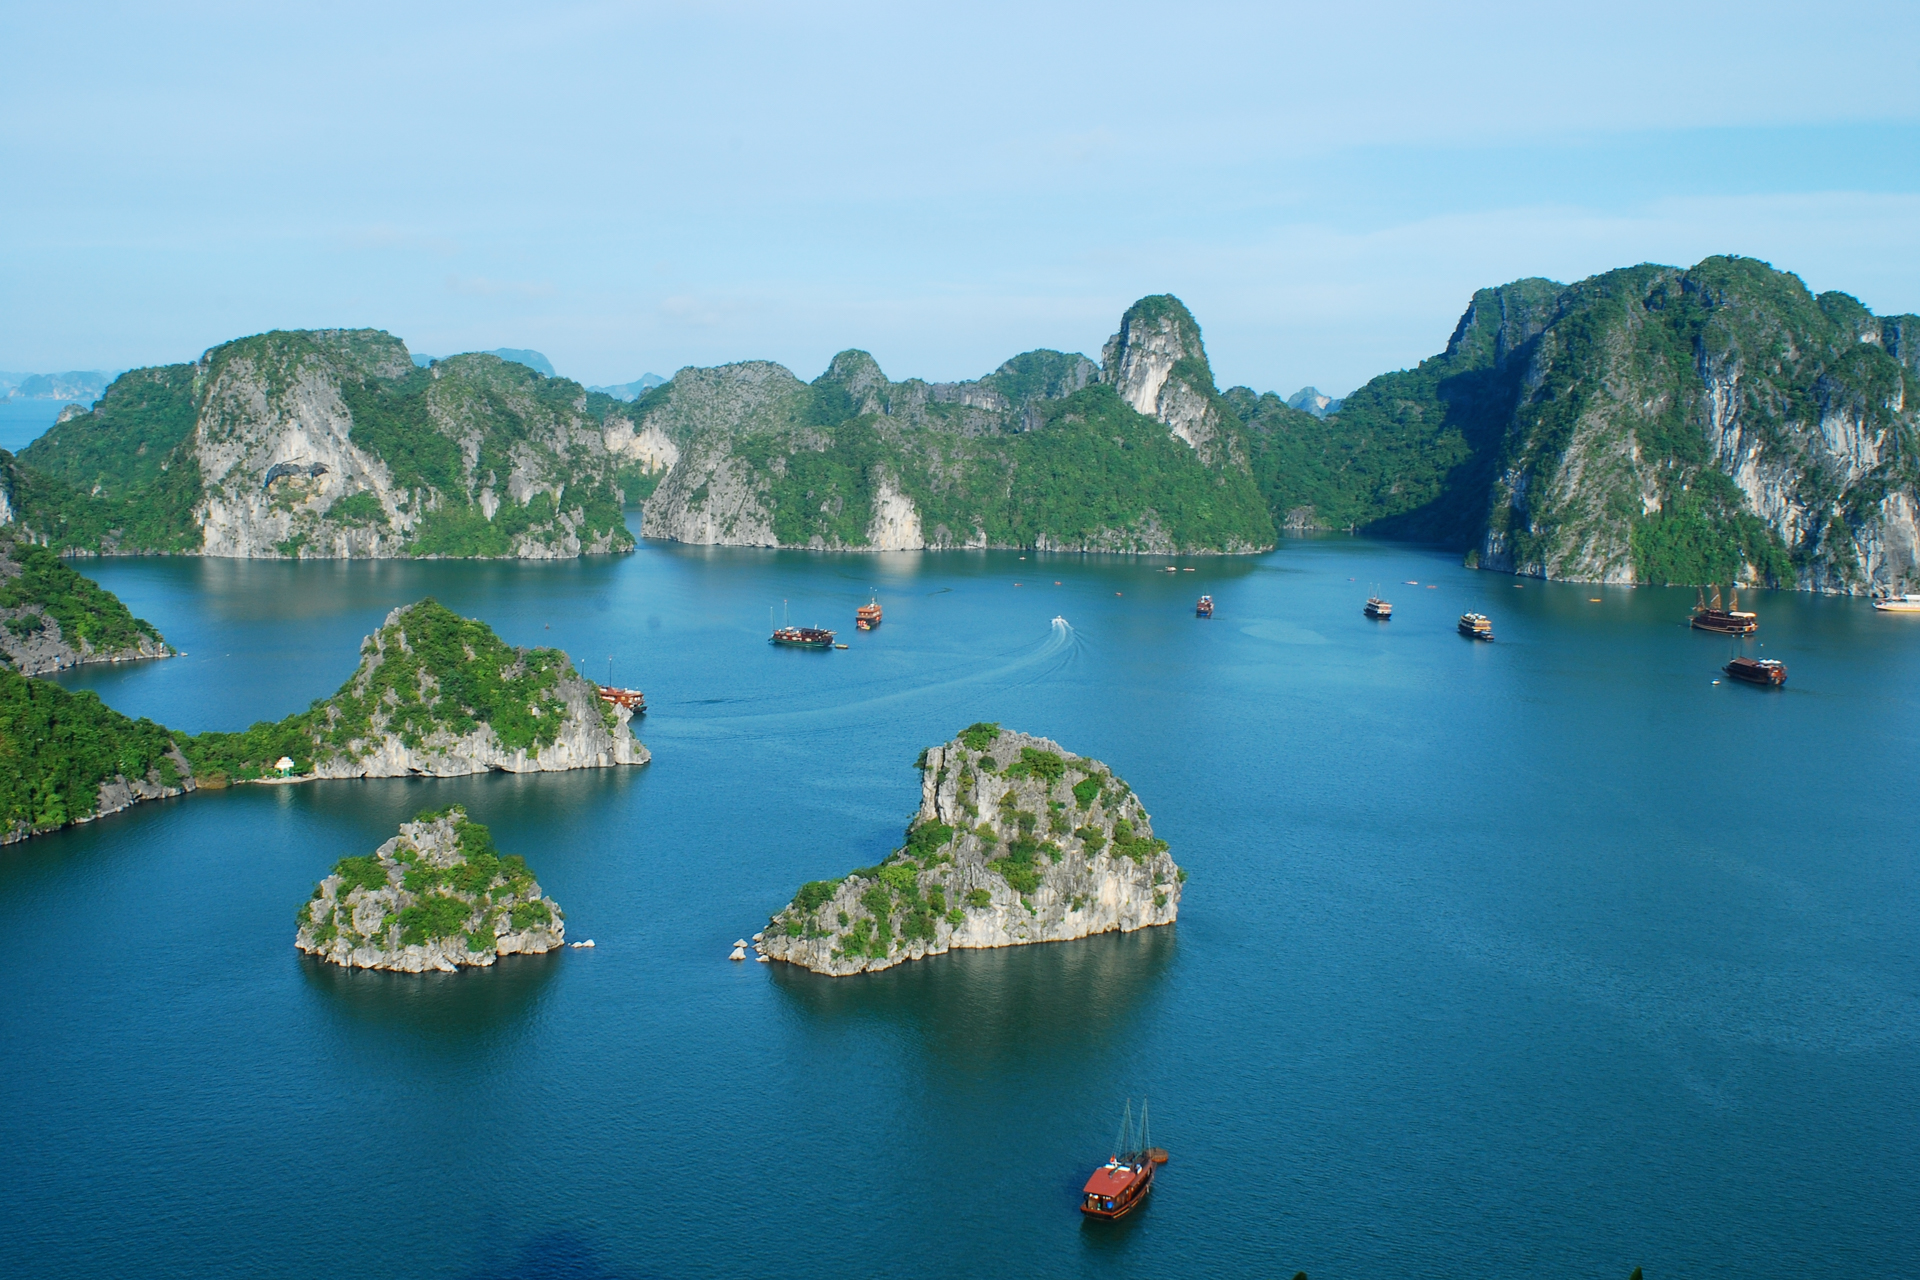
(52, 618)
(437, 695)
(1017, 840)
(437, 897)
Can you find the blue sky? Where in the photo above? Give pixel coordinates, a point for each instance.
(634, 187)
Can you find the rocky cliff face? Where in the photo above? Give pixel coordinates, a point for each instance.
(438, 896)
(1159, 366)
(1048, 451)
(1017, 840)
(1714, 423)
(332, 443)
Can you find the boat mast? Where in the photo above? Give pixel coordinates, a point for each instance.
(1122, 1146)
(1146, 1134)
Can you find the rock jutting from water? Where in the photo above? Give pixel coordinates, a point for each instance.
(1017, 840)
(438, 896)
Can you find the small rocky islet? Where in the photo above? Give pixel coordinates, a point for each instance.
(436, 897)
(1017, 840)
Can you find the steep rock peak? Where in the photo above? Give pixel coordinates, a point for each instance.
(852, 385)
(1501, 320)
(1156, 333)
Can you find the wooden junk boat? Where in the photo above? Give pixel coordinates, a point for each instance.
(1729, 621)
(1476, 626)
(1118, 1186)
(632, 699)
(867, 616)
(1378, 608)
(803, 637)
(1767, 671)
(1205, 608)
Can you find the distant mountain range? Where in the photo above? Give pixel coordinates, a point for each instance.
(518, 355)
(1311, 400)
(1650, 424)
(79, 384)
(631, 390)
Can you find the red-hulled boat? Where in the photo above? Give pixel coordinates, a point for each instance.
(867, 616)
(1118, 1186)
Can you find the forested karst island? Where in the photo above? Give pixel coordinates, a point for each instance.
(329, 443)
(437, 896)
(1650, 424)
(1017, 840)
(435, 695)
(52, 618)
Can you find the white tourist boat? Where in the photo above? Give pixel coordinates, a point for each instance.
(1897, 604)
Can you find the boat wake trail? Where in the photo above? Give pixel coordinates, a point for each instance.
(1028, 664)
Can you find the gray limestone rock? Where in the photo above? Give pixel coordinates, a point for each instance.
(1017, 840)
(438, 896)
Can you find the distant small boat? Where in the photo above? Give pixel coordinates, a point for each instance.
(1059, 621)
(1204, 609)
(839, 646)
(867, 616)
(1897, 604)
(1729, 621)
(1378, 608)
(802, 637)
(1767, 671)
(1476, 626)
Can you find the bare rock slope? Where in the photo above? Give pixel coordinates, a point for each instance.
(1017, 840)
(438, 896)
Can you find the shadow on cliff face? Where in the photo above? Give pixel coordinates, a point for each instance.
(557, 1255)
(452, 1009)
(989, 1008)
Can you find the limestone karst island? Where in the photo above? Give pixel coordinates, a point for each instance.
(435, 695)
(1017, 840)
(1649, 424)
(437, 896)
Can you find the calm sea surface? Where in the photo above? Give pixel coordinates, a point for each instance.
(1548, 957)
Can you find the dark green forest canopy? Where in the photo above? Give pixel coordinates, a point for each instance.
(57, 747)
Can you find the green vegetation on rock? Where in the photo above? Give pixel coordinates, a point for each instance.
(426, 674)
(475, 457)
(37, 586)
(58, 747)
(437, 896)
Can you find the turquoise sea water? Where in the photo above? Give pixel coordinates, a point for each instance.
(1544, 957)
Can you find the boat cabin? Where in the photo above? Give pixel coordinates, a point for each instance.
(1116, 1187)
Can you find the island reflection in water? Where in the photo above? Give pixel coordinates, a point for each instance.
(453, 1011)
(998, 1008)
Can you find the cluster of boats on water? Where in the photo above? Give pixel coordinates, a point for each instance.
(1708, 615)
